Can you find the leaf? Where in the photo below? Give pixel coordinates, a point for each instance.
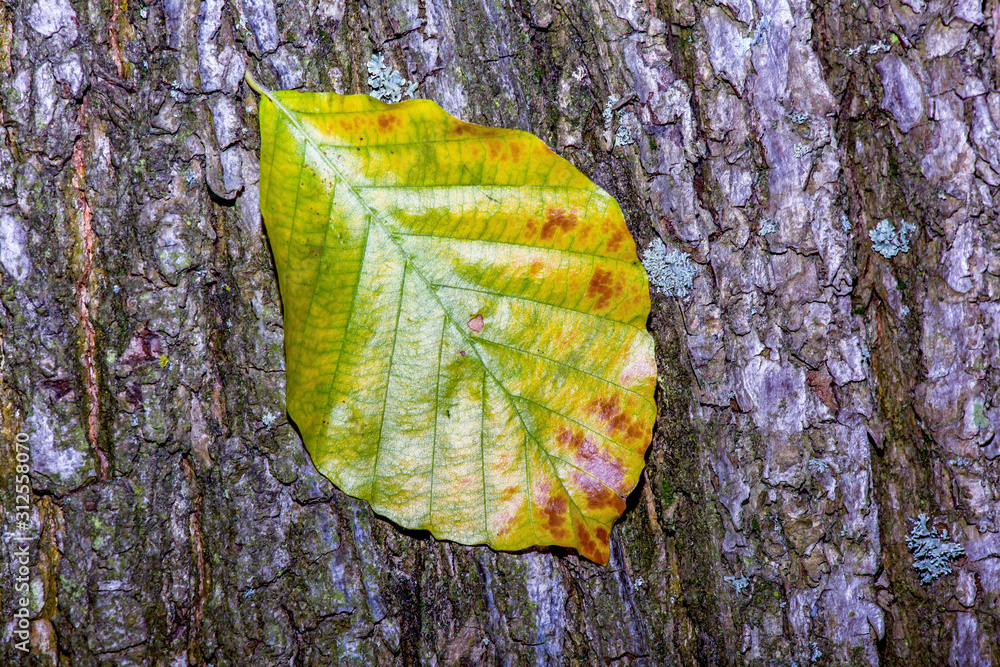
(464, 321)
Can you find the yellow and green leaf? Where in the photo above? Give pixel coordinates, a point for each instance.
(464, 321)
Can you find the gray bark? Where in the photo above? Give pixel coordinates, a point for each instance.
(815, 397)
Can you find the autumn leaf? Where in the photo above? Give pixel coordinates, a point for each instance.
(465, 321)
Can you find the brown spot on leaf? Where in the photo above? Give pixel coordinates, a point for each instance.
(554, 512)
(503, 523)
(572, 440)
(598, 495)
(558, 220)
(387, 122)
(602, 287)
(587, 455)
(508, 493)
(588, 547)
(616, 240)
(635, 432)
(596, 460)
(476, 324)
(530, 227)
(607, 410)
(515, 152)
(460, 128)
(618, 422)
(601, 533)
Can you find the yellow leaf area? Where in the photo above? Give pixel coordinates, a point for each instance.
(465, 321)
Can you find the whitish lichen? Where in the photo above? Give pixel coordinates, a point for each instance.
(845, 223)
(798, 117)
(817, 465)
(932, 554)
(670, 273)
(739, 583)
(609, 109)
(623, 137)
(386, 83)
(888, 241)
(816, 653)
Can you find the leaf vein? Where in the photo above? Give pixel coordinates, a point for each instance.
(350, 315)
(569, 366)
(437, 410)
(482, 452)
(288, 252)
(570, 419)
(556, 306)
(385, 398)
(561, 251)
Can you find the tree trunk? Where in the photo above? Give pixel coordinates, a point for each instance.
(814, 397)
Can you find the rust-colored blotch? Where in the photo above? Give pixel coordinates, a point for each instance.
(588, 546)
(591, 458)
(599, 496)
(554, 513)
(616, 241)
(558, 220)
(602, 287)
(615, 418)
(387, 122)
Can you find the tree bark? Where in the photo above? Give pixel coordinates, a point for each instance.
(814, 397)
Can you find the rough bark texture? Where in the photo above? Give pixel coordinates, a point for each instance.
(815, 397)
